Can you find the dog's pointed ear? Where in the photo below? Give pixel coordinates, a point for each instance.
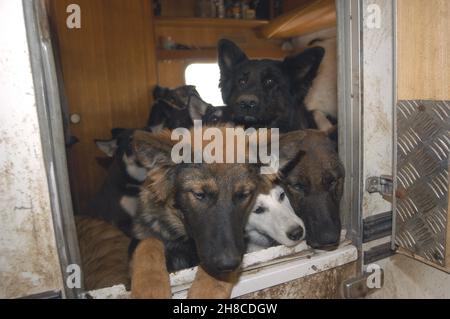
(290, 149)
(302, 68)
(108, 147)
(229, 55)
(116, 131)
(158, 92)
(197, 109)
(152, 150)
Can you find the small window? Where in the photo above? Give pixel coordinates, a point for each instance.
(205, 77)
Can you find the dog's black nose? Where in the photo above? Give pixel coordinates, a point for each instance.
(295, 234)
(226, 263)
(248, 101)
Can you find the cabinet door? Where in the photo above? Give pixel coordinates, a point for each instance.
(422, 132)
(108, 66)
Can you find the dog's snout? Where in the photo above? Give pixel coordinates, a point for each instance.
(248, 101)
(296, 233)
(327, 241)
(226, 263)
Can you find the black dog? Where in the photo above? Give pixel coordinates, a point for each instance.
(179, 107)
(268, 93)
(116, 201)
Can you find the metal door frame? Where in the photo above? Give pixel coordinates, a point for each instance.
(350, 70)
(52, 136)
(351, 33)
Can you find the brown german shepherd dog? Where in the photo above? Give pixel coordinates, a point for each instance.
(197, 211)
(313, 176)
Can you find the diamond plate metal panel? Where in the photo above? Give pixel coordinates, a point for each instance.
(422, 151)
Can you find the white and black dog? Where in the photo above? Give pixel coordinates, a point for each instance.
(273, 221)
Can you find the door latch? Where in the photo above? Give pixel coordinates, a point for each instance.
(380, 184)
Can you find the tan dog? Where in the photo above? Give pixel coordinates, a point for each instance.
(104, 253)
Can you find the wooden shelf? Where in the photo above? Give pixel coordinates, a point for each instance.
(313, 15)
(211, 54)
(209, 23)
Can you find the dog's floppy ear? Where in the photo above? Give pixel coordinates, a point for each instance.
(302, 68)
(152, 150)
(108, 147)
(290, 149)
(229, 55)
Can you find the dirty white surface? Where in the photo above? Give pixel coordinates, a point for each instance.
(262, 269)
(28, 256)
(405, 277)
(378, 100)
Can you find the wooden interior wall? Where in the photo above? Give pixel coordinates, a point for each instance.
(423, 46)
(109, 69)
(292, 4)
(171, 72)
(186, 8)
(177, 8)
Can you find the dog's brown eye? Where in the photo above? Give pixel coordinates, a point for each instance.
(329, 181)
(199, 195)
(259, 210)
(269, 83)
(243, 195)
(333, 184)
(300, 187)
(282, 196)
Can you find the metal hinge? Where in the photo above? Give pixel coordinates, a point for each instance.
(359, 287)
(380, 184)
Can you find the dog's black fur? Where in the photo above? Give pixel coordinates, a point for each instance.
(120, 182)
(267, 93)
(179, 107)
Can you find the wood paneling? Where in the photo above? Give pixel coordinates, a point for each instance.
(171, 73)
(177, 8)
(311, 16)
(289, 5)
(211, 54)
(208, 23)
(109, 68)
(423, 46)
(205, 33)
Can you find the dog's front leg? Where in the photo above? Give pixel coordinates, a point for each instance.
(149, 275)
(207, 287)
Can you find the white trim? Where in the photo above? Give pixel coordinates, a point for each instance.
(286, 269)
(261, 276)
